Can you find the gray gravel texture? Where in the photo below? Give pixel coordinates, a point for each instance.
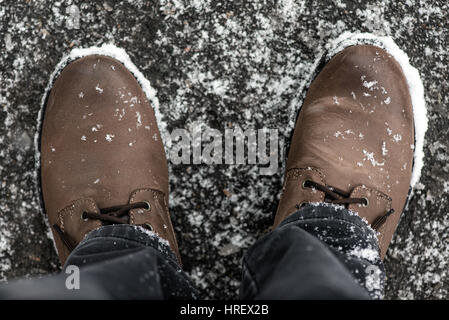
(223, 63)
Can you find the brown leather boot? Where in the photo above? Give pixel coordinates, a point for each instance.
(102, 157)
(353, 141)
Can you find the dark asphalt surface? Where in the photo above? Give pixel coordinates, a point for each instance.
(221, 63)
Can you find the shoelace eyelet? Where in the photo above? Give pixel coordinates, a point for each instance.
(366, 204)
(300, 205)
(305, 184)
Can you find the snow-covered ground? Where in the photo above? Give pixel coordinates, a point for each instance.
(221, 64)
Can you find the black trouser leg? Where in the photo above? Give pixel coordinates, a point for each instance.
(319, 252)
(114, 262)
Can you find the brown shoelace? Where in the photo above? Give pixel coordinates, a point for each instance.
(112, 215)
(338, 196)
